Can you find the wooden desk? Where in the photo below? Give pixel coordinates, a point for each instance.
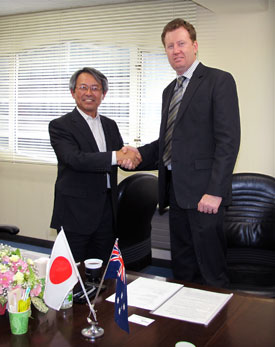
(244, 321)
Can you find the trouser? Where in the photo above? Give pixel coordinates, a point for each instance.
(198, 245)
(99, 243)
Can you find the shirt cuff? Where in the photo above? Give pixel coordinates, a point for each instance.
(114, 161)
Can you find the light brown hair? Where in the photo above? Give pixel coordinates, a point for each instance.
(178, 23)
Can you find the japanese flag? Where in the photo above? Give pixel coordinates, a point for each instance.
(62, 273)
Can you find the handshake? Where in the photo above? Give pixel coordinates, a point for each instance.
(128, 157)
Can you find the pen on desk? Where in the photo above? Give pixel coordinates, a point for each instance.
(88, 292)
(80, 294)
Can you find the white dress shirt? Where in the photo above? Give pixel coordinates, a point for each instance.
(98, 133)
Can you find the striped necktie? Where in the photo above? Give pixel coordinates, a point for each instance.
(173, 110)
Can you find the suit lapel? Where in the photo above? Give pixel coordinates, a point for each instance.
(107, 133)
(193, 85)
(84, 129)
(190, 90)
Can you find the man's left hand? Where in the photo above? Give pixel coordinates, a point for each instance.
(209, 204)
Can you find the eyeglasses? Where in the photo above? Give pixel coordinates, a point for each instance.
(85, 88)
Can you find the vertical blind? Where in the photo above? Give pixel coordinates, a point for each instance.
(40, 51)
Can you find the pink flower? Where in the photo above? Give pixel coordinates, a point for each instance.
(6, 278)
(36, 291)
(5, 259)
(22, 265)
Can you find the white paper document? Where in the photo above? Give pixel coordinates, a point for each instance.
(148, 293)
(193, 305)
(135, 318)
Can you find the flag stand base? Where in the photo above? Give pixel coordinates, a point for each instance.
(93, 332)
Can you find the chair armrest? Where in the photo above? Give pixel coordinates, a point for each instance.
(11, 229)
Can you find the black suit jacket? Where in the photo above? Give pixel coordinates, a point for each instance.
(205, 140)
(81, 184)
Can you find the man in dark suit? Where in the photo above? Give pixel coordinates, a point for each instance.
(195, 155)
(88, 149)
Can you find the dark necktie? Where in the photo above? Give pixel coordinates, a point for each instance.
(173, 110)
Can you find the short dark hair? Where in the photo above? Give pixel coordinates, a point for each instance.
(178, 23)
(102, 79)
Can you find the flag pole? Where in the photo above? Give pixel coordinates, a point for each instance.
(79, 278)
(94, 331)
(102, 279)
(86, 296)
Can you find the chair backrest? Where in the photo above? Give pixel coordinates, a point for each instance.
(250, 219)
(250, 231)
(137, 201)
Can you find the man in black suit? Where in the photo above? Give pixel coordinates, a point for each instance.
(195, 155)
(88, 148)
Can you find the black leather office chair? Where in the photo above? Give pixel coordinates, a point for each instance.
(137, 201)
(250, 231)
(10, 229)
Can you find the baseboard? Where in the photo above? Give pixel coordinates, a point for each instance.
(26, 239)
(161, 263)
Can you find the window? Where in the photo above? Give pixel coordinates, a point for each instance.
(42, 51)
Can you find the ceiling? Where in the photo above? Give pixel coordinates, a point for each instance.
(26, 6)
(12, 7)
(234, 6)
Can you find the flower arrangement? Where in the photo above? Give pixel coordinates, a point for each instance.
(18, 272)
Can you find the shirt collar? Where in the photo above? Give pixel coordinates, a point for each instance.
(188, 73)
(86, 116)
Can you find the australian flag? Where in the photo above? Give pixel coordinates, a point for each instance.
(116, 270)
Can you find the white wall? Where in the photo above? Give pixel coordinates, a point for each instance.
(245, 47)
(27, 198)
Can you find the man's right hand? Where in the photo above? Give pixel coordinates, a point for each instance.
(128, 157)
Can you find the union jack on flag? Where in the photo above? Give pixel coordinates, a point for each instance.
(116, 270)
(116, 265)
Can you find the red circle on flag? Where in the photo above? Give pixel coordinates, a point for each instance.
(61, 270)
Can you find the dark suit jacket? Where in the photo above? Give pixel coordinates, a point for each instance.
(81, 184)
(205, 139)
